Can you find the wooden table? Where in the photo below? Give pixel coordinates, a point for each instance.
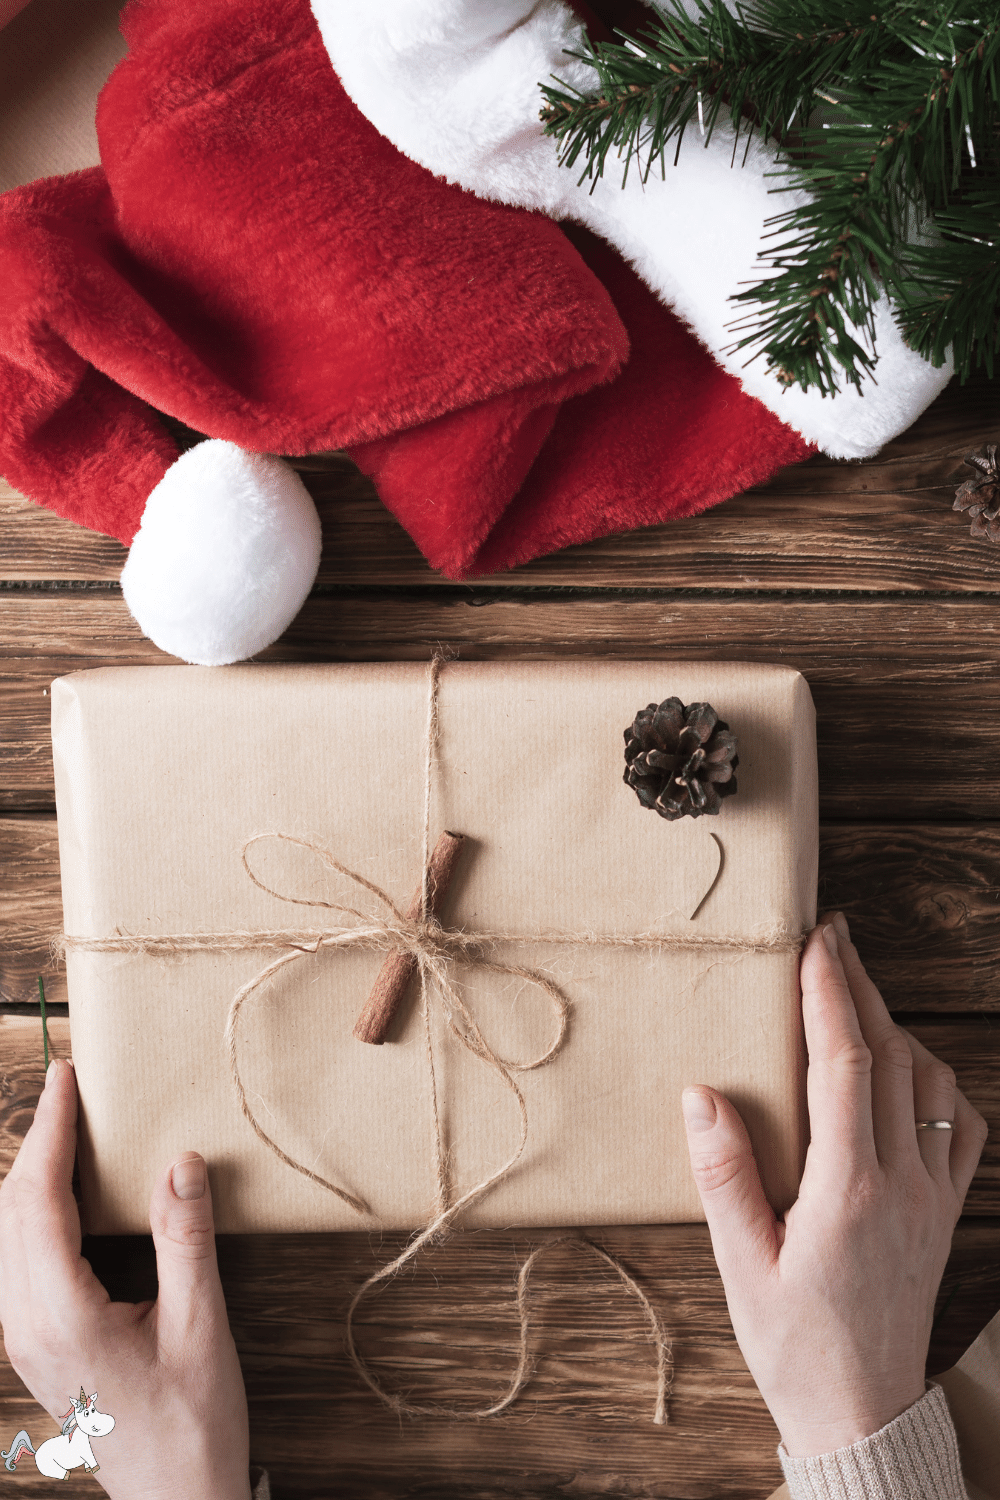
(858, 574)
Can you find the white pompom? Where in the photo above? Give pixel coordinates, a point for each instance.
(225, 556)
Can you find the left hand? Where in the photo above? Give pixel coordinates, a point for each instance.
(168, 1371)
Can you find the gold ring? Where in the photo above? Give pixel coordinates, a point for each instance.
(934, 1124)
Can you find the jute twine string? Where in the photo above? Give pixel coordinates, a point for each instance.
(440, 1153)
(436, 951)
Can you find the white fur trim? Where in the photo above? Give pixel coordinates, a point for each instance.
(225, 556)
(454, 84)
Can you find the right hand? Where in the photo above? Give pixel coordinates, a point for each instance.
(832, 1306)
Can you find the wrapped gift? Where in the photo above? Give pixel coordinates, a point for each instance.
(217, 826)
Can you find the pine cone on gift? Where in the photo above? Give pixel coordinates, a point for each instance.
(981, 496)
(680, 760)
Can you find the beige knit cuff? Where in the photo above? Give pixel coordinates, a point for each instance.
(913, 1458)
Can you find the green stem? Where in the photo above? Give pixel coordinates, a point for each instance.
(45, 1024)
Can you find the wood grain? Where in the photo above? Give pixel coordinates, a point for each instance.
(907, 691)
(884, 524)
(445, 1331)
(923, 901)
(30, 910)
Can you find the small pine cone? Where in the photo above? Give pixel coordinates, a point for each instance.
(680, 760)
(981, 496)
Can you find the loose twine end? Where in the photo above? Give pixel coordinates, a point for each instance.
(525, 1364)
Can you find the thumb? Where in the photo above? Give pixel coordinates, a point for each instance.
(740, 1219)
(180, 1216)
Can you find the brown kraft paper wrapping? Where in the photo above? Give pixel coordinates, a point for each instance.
(163, 774)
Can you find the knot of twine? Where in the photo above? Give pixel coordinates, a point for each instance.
(436, 950)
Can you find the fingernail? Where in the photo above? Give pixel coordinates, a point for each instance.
(188, 1178)
(840, 922)
(50, 1072)
(830, 939)
(699, 1109)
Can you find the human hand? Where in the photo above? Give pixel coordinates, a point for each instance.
(832, 1307)
(167, 1371)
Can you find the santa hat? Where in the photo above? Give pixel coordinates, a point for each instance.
(258, 260)
(454, 84)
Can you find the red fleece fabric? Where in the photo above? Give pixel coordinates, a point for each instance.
(647, 448)
(254, 259)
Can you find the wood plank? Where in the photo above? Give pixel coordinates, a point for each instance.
(30, 910)
(445, 1331)
(923, 901)
(907, 694)
(884, 524)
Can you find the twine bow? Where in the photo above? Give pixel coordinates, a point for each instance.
(435, 949)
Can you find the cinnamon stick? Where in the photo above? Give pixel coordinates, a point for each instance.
(399, 968)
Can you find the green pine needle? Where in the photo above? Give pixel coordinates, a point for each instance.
(890, 122)
(955, 298)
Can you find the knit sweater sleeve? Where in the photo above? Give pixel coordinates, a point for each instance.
(915, 1457)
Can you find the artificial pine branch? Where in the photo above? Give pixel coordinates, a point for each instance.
(956, 301)
(648, 90)
(913, 90)
(871, 186)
